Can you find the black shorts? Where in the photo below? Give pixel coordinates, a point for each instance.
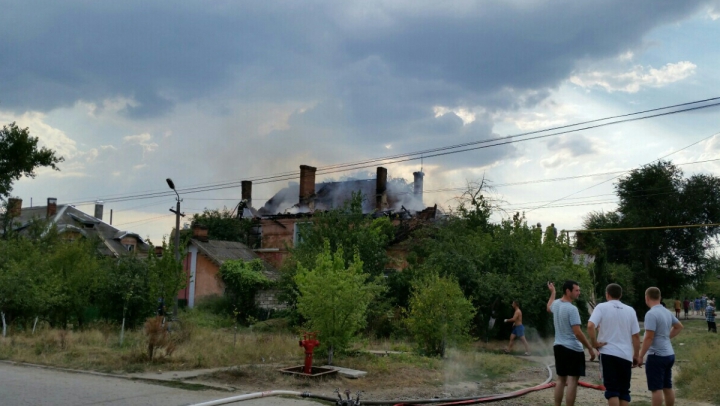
(569, 362)
(616, 374)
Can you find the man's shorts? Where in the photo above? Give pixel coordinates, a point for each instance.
(616, 374)
(519, 331)
(569, 362)
(658, 371)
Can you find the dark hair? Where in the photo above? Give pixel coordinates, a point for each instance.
(568, 285)
(614, 290)
(517, 302)
(653, 293)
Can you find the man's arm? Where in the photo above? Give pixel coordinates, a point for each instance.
(592, 333)
(636, 347)
(514, 317)
(676, 328)
(647, 342)
(551, 286)
(581, 337)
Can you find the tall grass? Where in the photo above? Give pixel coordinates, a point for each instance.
(699, 362)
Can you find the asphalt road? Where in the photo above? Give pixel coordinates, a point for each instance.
(31, 386)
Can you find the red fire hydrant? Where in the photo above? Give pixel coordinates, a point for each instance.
(309, 342)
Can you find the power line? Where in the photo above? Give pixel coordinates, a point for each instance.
(597, 230)
(440, 151)
(615, 177)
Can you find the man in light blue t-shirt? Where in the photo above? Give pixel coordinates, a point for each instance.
(569, 342)
(660, 327)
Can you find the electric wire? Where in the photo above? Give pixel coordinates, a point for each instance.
(440, 151)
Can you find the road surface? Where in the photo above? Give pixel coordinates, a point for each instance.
(31, 386)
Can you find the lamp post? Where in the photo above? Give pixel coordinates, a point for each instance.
(177, 236)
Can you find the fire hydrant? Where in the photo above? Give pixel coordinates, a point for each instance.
(309, 342)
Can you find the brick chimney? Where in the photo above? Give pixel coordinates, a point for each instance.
(99, 209)
(51, 206)
(418, 186)
(14, 207)
(200, 232)
(307, 186)
(381, 189)
(246, 187)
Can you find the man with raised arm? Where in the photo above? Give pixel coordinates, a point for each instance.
(660, 327)
(569, 342)
(618, 342)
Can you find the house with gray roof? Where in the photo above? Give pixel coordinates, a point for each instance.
(73, 223)
(202, 265)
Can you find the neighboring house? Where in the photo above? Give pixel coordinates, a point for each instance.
(202, 265)
(284, 215)
(72, 223)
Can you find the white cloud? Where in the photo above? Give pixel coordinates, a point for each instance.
(465, 114)
(144, 140)
(636, 78)
(47, 135)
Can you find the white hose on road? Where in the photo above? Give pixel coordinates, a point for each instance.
(249, 396)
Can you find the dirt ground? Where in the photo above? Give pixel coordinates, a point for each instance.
(404, 387)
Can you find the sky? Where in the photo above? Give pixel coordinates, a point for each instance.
(216, 92)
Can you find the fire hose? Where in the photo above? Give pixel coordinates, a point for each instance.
(438, 402)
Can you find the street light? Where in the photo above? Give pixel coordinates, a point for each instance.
(177, 236)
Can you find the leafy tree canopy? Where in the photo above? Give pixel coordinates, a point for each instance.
(334, 297)
(20, 156)
(656, 195)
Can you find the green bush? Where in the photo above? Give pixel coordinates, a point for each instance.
(334, 298)
(440, 315)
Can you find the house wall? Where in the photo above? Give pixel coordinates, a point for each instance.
(207, 282)
(277, 234)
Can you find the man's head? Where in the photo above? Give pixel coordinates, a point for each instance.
(515, 304)
(652, 296)
(613, 291)
(571, 289)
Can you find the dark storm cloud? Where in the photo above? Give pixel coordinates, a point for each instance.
(55, 53)
(370, 72)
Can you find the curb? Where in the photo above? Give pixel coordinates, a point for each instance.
(205, 385)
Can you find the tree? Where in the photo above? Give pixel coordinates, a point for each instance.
(657, 195)
(20, 156)
(334, 298)
(242, 281)
(226, 226)
(440, 315)
(348, 227)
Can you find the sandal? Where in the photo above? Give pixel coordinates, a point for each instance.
(527, 354)
(505, 351)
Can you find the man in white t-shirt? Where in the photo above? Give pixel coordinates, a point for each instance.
(614, 330)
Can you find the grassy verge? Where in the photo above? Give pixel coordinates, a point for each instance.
(204, 342)
(698, 353)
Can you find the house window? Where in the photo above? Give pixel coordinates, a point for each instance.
(299, 231)
(130, 247)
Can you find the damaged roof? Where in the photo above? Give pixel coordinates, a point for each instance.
(331, 195)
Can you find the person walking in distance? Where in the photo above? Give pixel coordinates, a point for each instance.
(678, 306)
(618, 343)
(686, 307)
(710, 316)
(569, 342)
(518, 330)
(660, 327)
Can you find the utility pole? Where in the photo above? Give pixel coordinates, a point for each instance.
(177, 237)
